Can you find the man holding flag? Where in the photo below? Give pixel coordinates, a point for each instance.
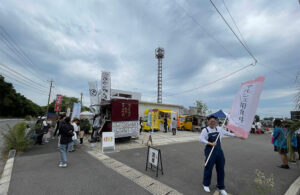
(211, 136)
(240, 120)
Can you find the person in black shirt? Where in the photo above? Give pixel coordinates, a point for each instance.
(66, 132)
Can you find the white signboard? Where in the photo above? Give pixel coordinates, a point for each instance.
(105, 86)
(93, 88)
(108, 140)
(153, 156)
(126, 127)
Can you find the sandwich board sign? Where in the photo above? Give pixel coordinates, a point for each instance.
(108, 142)
(154, 159)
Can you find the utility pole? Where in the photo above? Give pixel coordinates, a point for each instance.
(81, 99)
(49, 97)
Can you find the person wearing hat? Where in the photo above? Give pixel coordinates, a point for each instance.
(208, 136)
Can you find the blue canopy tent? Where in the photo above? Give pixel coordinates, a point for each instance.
(220, 114)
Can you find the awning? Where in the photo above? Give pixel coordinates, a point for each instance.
(220, 114)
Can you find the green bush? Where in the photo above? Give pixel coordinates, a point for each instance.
(28, 118)
(17, 138)
(85, 125)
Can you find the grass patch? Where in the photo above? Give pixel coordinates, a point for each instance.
(18, 138)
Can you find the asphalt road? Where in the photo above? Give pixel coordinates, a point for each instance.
(36, 172)
(183, 165)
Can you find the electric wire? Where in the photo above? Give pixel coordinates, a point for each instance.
(10, 43)
(23, 76)
(213, 82)
(22, 84)
(235, 24)
(249, 52)
(205, 31)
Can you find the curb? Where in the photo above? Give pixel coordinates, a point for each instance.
(294, 189)
(6, 175)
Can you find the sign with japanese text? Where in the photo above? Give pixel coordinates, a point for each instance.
(244, 107)
(153, 156)
(125, 127)
(108, 141)
(105, 86)
(58, 99)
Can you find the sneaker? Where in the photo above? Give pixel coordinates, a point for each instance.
(60, 164)
(284, 166)
(64, 165)
(206, 188)
(223, 192)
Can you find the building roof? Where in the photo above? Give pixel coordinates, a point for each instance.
(161, 104)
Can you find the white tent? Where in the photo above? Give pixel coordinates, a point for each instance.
(86, 114)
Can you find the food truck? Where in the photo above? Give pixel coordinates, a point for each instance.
(192, 123)
(120, 116)
(154, 118)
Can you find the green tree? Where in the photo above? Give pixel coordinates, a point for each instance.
(67, 102)
(201, 108)
(14, 104)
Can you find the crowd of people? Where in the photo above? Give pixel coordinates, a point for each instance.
(280, 140)
(66, 130)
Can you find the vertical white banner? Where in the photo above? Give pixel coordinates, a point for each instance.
(76, 111)
(105, 86)
(94, 93)
(244, 107)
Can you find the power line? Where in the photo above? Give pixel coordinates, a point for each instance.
(10, 43)
(212, 82)
(204, 30)
(17, 73)
(22, 84)
(249, 52)
(22, 81)
(242, 37)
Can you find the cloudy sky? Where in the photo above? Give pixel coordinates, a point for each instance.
(71, 42)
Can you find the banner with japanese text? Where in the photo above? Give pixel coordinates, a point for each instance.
(105, 86)
(58, 103)
(244, 107)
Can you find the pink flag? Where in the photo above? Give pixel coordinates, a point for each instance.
(244, 107)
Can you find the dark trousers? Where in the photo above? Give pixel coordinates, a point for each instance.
(217, 157)
(81, 140)
(166, 128)
(40, 139)
(174, 131)
(298, 145)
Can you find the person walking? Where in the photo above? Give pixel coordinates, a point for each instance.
(66, 132)
(59, 124)
(208, 136)
(141, 125)
(258, 126)
(280, 143)
(174, 126)
(75, 122)
(298, 142)
(166, 125)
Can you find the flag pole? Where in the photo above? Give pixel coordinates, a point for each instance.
(215, 141)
